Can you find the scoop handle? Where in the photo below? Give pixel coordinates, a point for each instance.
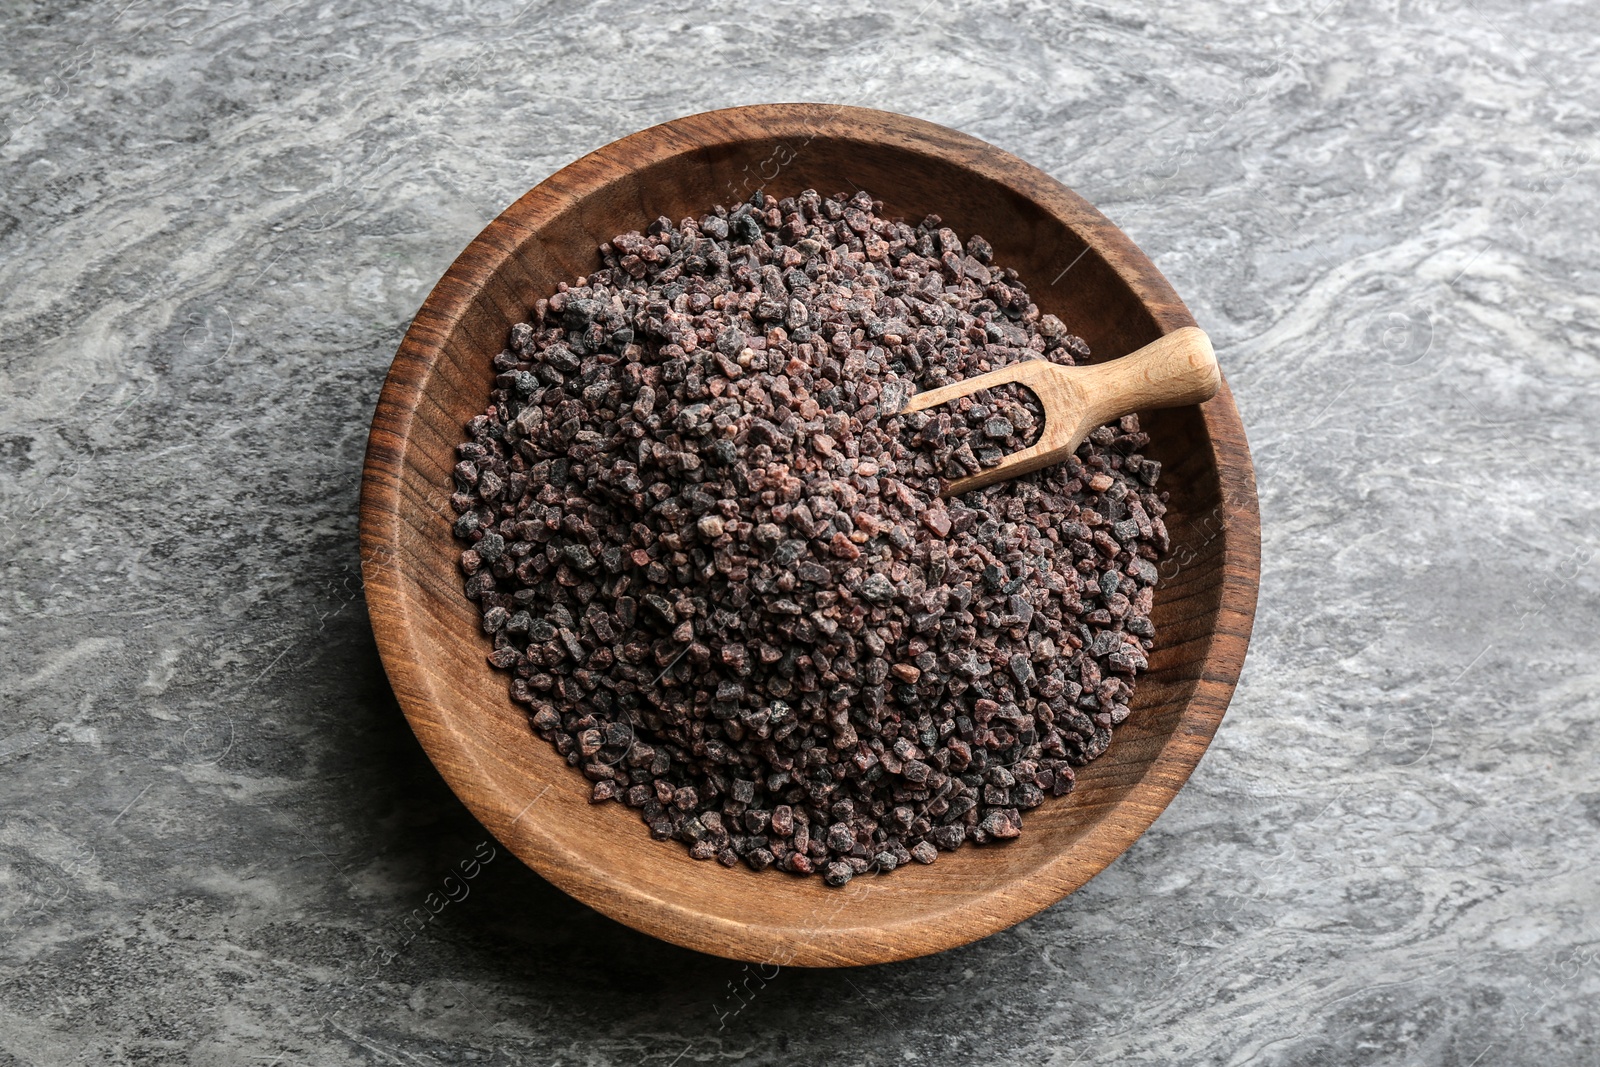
(1176, 369)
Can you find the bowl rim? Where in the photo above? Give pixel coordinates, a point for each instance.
(382, 522)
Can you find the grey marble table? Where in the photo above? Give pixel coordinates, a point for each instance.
(217, 220)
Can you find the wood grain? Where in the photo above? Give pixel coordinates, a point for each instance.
(1077, 266)
(1176, 369)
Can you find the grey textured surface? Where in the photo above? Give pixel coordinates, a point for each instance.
(216, 222)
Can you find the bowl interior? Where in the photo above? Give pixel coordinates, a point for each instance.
(1076, 265)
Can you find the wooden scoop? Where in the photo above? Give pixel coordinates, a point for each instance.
(1169, 372)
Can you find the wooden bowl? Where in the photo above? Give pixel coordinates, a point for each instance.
(1076, 264)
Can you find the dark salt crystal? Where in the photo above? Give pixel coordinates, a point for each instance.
(713, 556)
